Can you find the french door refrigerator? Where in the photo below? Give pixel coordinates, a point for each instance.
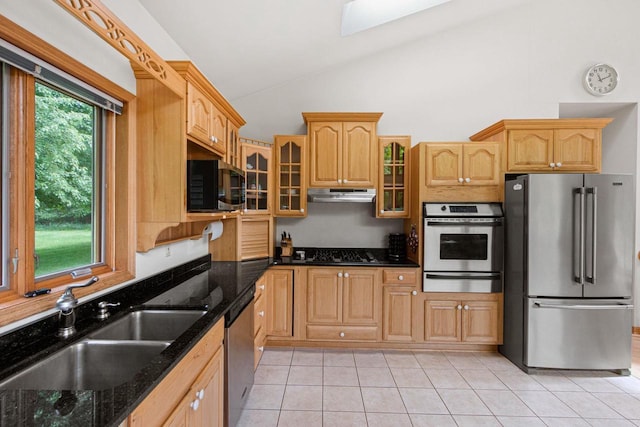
(569, 242)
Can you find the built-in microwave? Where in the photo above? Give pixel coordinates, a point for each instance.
(214, 186)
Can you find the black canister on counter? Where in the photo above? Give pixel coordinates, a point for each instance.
(397, 246)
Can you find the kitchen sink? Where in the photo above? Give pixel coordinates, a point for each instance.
(149, 325)
(88, 365)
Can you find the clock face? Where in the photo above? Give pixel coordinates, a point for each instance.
(601, 79)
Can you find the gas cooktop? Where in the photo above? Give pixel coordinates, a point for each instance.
(337, 256)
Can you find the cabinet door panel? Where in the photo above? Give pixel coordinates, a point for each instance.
(577, 149)
(443, 164)
(529, 150)
(358, 155)
(279, 294)
(198, 115)
(324, 149)
(442, 321)
(397, 321)
(480, 322)
(324, 296)
(359, 297)
(481, 164)
(219, 130)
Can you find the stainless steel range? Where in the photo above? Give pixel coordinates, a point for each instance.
(463, 247)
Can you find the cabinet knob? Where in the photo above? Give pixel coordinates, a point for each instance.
(339, 181)
(552, 165)
(466, 307)
(346, 274)
(381, 211)
(341, 334)
(345, 180)
(195, 404)
(302, 210)
(213, 138)
(414, 292)
(461, 179)
(261, 313)
(340, 274)
(459, 307)
(200, 394)
(261, 287)
(261, 348)
(467, 180)
(559, 164)
(401, 277)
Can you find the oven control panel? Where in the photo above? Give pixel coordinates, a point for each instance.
(462, 210)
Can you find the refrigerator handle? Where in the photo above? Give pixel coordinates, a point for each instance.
(579, 278)
(594, 228)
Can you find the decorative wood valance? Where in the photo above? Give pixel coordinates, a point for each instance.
(108, 26)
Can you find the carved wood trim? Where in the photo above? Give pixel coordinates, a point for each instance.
(108, 26)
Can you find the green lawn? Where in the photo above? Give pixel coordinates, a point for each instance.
(60, 248)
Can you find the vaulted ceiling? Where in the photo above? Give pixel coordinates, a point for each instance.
(245, 46)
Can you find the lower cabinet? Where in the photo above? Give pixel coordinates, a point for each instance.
(192, 394)
(279, 303)
(343, 304)
(259, 319)
(400, 305)
(467, 318)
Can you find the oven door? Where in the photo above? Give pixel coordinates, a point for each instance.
(463, 244)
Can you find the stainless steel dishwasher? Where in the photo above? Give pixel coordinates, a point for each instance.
(238, 358)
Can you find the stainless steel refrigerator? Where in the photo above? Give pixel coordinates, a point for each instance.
(569, 242)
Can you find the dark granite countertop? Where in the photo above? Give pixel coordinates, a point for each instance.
(200, 283)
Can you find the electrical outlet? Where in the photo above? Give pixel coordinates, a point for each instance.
(167, 252)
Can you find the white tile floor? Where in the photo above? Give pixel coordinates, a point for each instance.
(303, 387)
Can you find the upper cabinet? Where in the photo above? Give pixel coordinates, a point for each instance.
(256, 162)
(392, 200)
(342, 149)
(170, 129)
(290, 180)
(462, 164)
(549, 145)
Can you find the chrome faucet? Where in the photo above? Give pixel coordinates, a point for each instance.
(66, 304)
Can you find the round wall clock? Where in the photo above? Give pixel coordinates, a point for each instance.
(601, 79)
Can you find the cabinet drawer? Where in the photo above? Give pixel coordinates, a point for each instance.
(258, 347)
(398, 276)
(342, 333)
(258, 315)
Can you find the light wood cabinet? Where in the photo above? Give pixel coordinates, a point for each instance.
(465, 318)
(342, 149)
(256, 162)
(393, 198)
(244, 237)
(279, 303)
(170, 129)
(291, 175)
(193, 392)
(460, 164)
(233, 145)
(549, 145)
(205, 123)
(259, 318)
(343, 304)
(400, 305)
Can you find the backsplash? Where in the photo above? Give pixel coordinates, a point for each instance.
(348, 225)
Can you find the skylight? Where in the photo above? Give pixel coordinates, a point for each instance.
(360, 15)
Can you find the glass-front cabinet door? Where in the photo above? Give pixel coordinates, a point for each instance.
(291, 188)
(392, 200)
(256, 162)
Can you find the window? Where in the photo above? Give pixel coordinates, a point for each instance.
(68, 196)
(67, 162)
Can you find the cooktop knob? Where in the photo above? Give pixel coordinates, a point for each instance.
(443, 208)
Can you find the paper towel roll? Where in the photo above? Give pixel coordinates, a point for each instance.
(213, 228)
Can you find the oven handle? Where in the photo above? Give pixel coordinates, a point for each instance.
(492, 223)
(462, 276)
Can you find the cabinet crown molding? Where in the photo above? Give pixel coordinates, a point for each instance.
(508, 124)
(341, 117)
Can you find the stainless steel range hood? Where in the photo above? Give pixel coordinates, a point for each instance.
(341, 195)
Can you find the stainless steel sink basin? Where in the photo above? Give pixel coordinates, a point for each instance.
(149, 325)
(87, 365)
